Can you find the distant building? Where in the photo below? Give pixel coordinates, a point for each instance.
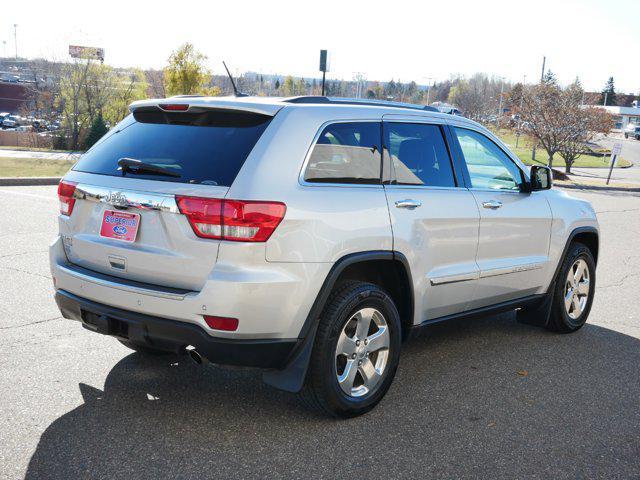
(624, 115)
(13, 96)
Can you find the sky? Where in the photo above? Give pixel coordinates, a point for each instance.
(401, 39)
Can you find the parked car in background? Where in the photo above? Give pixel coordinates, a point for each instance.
(10, 121)
(310, 236)
(632, 131)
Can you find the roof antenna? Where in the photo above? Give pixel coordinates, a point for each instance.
(233, 84)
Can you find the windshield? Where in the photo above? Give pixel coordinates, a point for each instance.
(206, 147)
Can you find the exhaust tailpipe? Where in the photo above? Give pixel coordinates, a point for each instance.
(195, 356)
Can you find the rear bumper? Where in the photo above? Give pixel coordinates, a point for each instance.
(173, 335)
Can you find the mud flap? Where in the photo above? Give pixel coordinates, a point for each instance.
(538, 315)
(291, 378)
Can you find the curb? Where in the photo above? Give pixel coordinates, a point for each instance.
(598, 188)
(28, 181)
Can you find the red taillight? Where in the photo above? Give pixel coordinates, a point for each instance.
(221, 323)
(65, 195)
(174, 107)
(234, 220)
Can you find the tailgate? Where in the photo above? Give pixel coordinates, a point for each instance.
(164, 251)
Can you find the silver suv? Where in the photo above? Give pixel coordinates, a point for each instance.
(311, 236)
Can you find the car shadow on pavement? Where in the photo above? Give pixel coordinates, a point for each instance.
(489, 398)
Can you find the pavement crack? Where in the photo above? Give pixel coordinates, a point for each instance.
(619, 211)
(22, 253)
(3, 267)
(620, 282)
(31, 323)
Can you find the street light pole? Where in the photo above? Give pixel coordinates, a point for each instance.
(15, 37)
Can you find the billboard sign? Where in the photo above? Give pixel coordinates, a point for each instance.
(92, 53)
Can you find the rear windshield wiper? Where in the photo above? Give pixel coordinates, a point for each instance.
(138, 166)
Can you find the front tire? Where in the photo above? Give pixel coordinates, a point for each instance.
(574, 290)
(356, 351)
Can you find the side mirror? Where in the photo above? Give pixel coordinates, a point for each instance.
(541, 178)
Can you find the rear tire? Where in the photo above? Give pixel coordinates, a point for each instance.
(144, 349)
(356, 350)
(573, 291)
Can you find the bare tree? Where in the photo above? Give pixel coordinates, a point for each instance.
(72, 81)
(587, 124)
(477, 97)
(556, 119)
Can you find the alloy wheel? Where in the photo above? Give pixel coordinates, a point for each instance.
(576, 290)
(362, 352)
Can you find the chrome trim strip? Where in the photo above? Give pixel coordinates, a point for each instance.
(125, 199)
(119, 286)
(494, 272)
(513, 269)
(460, 277)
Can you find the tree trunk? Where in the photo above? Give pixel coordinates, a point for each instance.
(567, 168)
(550, 162)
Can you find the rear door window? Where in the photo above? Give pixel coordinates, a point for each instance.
(346, 153)
(207, 147)
(419, 155)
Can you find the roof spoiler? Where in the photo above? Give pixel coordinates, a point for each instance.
(197, 103)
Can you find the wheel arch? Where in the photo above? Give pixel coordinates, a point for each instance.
(589, 236)
(364, 266)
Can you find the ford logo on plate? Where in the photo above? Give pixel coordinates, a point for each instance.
(120, 230)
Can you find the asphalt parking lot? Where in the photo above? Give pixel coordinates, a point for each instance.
(489, 398)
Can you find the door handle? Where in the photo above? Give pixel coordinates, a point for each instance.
(492, 204)
(408, 203)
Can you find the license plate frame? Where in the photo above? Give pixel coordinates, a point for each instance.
(121, 226)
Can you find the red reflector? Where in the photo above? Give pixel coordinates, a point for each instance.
(221, 323)
(65, 195)
(174, 107)
(234, 220)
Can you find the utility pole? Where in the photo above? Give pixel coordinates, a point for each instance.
(606, 94)
(15, 37)
(544, 61)
(524, 82)
(500, 102)
(428, 79)
(359, 78)
(4, 44)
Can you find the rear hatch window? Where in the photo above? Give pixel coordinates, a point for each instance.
(203, 147)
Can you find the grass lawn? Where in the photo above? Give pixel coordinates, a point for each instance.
(33, 167)
(33, 149)
(524, 153)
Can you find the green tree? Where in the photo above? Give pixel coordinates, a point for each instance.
(609, 96)
(549, 78)
(96, 132)
(127, 88)
(288, 87)
(187, 73)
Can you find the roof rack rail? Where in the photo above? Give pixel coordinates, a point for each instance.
(318, 99)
